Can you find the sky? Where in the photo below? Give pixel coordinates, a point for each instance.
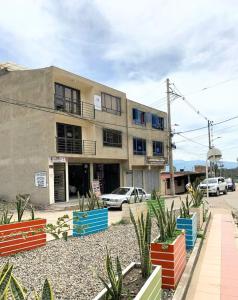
(134, 46)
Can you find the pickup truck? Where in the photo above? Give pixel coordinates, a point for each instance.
(215, 186)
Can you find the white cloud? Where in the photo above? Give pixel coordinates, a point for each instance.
(134, 45)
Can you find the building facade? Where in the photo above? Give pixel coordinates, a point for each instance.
(59, 132)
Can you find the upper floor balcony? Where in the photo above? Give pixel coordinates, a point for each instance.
(83, 109)
(75, 146)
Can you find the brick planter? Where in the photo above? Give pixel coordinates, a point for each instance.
(190, 227)
(22, 236)
(151, 290)
(199, 212)
(91, 221)
(155, 204)
(172, 258)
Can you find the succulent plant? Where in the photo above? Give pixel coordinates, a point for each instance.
(143, 233)
(166, 222)
(114, 289)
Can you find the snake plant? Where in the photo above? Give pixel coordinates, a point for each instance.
(115, 277)
(143, 233)
(166, 222)
(11, 288)
(185, 209)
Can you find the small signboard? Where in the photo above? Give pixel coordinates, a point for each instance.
(97, 102)
(41, 179)
(96, 188)
(56, 159)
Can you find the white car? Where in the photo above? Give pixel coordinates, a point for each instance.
(124, 195)
(215, 186)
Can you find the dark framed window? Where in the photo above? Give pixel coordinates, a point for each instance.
(139, 146)
(157, 122)
(67, 99)
(138, 116)
(69, 138)
(168, 183)
(158, 148)
(111, 104)
(112, 138)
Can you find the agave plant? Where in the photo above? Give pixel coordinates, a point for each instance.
(114, 289)
(93, 201)
(197, 197)
(11, 288)
(166, 222)
(143, 233)
(185, 208)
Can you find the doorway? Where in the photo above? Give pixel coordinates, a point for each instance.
(108, 176)
(79, 180)
(59, 182)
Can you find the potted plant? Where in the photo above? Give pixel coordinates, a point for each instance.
(155, 198)
(197, 204)
(138, 281)
(168, 249)
(91, 217)
(188, 222)
(21, 235)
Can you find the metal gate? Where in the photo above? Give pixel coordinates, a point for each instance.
(59, 182)
(152, 180)
(138, 178)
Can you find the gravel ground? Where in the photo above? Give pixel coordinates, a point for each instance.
(73, 266)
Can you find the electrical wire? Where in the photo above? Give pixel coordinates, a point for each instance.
(193, 141)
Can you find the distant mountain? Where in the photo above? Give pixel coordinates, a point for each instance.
(188, 165)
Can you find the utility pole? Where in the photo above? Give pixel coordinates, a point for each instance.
(209, 142)
(209, 133)
(170, 150)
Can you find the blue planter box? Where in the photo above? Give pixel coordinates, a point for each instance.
(92, 221)
(190, 227)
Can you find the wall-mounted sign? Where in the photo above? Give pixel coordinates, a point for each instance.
(96, 187)
(97, 102)
(41, 179)
(56, 159)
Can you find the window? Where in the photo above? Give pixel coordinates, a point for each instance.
(67, 99)
(157, 122)
(138, 117)
(158, 148)
(112, 138)
(69, 139)
(168, 183)
(139, 146)
(111, 104)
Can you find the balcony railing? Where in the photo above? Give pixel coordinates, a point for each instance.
(83, 109)
(75, 146)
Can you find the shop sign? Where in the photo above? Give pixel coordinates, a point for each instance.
(41, 179)
(57, 159)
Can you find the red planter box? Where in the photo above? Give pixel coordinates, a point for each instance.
(22, 236)
(172, 260)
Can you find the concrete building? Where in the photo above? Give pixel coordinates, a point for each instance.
(59, 132)
(180, 180)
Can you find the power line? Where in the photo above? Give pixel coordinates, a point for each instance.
(214, 124)
(192, 140)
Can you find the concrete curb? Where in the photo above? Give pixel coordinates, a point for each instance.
(182, 288)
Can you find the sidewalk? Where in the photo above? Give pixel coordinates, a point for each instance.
(216, 274)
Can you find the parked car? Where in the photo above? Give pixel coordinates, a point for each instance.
(215, 185)
(231, 186)
(124, 195)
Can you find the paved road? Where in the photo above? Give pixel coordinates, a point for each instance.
(225, 201)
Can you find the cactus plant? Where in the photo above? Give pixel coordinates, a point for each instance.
(143, 233)
(114, 290)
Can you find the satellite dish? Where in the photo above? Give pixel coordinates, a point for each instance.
(214, 154)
